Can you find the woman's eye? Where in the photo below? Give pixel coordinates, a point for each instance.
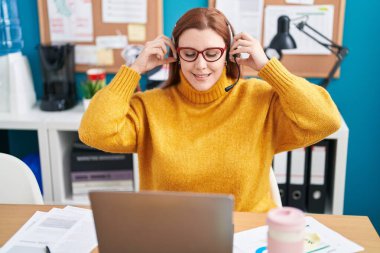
(210, 55)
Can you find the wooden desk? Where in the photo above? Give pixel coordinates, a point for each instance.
(356, 228)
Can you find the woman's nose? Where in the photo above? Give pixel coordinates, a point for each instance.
(200, 62)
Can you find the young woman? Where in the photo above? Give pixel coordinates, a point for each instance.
(194, 136)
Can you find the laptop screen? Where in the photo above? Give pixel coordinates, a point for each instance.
(163, 222)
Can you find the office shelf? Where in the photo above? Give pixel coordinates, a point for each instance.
(58, 130)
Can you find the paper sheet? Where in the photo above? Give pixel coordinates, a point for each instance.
(255, 240)
(70, 21)
(320, 17)
(124, 11)
(244, 15)
(85, 54)
(112, 41)
(136, 32)
(63, 230)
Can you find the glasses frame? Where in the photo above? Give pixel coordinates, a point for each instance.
(222, 50)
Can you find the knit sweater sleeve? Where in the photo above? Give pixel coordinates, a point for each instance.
(111, 122)
(300, 112)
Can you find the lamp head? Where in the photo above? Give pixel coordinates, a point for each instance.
(282, 40)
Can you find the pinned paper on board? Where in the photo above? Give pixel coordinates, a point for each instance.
(136, 32)
(104, 56)
(244, 15)
(70, 21)
(85, 54)
(112, 41)
(124, 11)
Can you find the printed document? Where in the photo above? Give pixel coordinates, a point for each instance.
(70, 229)
(318, 238)
(70, 21)
(244, 15)
(124, 11)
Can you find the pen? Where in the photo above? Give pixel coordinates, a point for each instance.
(47, 249)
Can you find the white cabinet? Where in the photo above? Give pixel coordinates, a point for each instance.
(57, 131)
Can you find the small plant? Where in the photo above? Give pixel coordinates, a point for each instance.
(89, 88)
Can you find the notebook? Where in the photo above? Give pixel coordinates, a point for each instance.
(163, 222)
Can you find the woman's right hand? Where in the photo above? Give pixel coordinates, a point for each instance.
(153, 54)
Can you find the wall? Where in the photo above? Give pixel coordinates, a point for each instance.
(355, 92)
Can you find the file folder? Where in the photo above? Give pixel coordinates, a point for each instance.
(280, 167)
(317, 181)
(297, 182)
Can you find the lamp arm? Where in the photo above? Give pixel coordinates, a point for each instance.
(340, 51)
(327, 80)
(300, 26)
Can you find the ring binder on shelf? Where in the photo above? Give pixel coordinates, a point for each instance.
(280, 167)
(317, 181)
(297, 183)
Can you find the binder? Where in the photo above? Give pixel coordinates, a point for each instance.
(298, 179)
(317, 181)
(280, 168)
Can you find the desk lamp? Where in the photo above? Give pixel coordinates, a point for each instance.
(284, 40)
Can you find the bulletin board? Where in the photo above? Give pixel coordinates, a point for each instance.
(317, 66)
(153, 29)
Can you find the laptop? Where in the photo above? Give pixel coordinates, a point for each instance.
(163, 222)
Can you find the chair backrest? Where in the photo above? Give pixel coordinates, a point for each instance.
(274, 189)
(18, 184)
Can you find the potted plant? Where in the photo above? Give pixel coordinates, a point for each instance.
(95, 82)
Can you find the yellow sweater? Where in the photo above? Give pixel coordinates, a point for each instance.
(210, 141)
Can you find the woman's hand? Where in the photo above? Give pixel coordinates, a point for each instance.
(244, 43)
(153, 54)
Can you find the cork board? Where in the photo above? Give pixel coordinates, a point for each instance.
(153, 29)
(317, 66)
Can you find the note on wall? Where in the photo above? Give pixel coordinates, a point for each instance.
(124, 11)
(320, 17)
(244, 15)
(70, 20)
(136, 32)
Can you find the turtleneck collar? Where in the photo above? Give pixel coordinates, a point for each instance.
(203, 97)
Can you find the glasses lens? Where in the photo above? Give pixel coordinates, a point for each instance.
(212, 54)
(188, 54)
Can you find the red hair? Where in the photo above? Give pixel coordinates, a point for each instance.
(201, 19)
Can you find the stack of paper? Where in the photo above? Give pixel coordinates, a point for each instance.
(318, 238)
(70, 229)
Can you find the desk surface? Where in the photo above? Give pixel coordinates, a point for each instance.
(356, 228)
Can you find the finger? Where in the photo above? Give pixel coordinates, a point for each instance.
(240, 50)
(157, 52)
(244, 36)
(170, 43)
(241, 42)
(169, 60)
(159, 44)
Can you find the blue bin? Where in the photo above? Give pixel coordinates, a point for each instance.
(10, 30)
(34, 163)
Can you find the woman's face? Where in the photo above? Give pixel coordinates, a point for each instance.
(201, 74)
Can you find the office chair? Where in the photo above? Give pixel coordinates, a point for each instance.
(18, 184)
(275, 192)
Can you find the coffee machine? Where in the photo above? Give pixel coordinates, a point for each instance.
(58, 69)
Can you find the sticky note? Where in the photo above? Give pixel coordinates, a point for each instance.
(104, 56)
(136, 32)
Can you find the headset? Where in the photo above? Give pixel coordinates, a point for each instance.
(228, 88)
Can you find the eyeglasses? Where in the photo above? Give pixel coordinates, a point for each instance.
(210, 54)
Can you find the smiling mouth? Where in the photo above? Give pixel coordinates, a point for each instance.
(201, 76)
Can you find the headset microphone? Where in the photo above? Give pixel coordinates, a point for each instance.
(228, 88)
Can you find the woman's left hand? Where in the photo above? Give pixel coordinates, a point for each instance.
(244, 43)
